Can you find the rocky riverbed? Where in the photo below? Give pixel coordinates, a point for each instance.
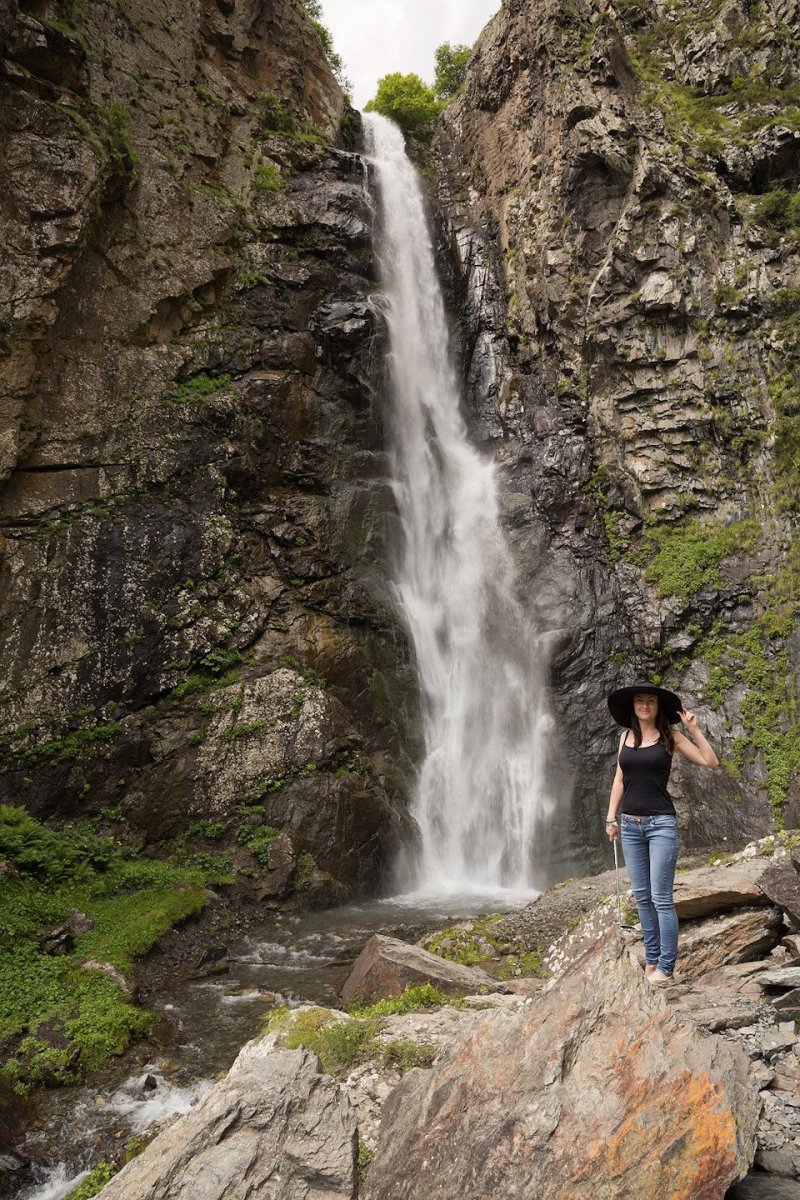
(582, 1080)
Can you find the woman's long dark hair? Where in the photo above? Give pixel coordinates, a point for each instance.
(662, 725)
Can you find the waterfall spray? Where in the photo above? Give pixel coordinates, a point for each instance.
(481, 793)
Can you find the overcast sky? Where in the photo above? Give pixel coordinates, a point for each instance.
(375, 37)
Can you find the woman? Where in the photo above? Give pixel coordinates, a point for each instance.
(649, 830)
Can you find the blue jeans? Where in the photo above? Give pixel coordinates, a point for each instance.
(650, 846)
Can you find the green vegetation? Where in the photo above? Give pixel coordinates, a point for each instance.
(413, 999)
(451, 69)
(244, 730)
(478, 944)
(105, 1171)
(407, 1055)
(118, 136)
(680, 559)
(779, 210)
(343, 1044)
(408, 101)
(726, 295)
(275, 116)
(306, 870)
(340, 1045)
(757, 657)
(314, 10)
(784, 392)
(258, 839)
(597, 487)
(197, 388)
(267, 178)
(58, 1020)
(64, 749)
(94, 1182)
(365, 1157)
(696, 121)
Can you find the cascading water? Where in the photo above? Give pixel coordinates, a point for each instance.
(481, 794)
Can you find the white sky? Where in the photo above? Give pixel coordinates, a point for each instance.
(376, 37)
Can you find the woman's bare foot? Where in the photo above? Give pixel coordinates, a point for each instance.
(649, 968)
(657, 976)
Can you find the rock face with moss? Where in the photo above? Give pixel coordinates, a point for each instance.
(194, 631)
(617, 189)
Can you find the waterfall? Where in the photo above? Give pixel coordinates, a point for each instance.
(481, 794)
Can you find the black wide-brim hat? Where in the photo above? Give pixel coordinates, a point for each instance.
(620, 703)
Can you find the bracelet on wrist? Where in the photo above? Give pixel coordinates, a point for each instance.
(614, 822)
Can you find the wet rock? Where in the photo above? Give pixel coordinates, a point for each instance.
(562, 1100)
(225, 525)
(213, 961)
(588, 362)
(276, 881)
(387, 966)
(275, 1126)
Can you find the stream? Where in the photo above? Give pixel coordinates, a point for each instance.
(292, 960)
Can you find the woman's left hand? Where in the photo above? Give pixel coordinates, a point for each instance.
(689, 719)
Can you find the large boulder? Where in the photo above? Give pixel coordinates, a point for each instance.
(275, 1128)
(735, 937)
(597, 1092)
(387, 966)
(781, 883)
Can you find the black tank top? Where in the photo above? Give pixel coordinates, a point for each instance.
(645, 775)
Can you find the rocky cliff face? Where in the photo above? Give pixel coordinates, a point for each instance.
(193, 501)
(617, 191)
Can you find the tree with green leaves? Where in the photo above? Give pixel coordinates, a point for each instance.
(451, 69)
(406, 100)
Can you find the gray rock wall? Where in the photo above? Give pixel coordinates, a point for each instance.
(193, 505)
(614, 188)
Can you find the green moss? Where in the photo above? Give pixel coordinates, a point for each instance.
(197, 388)
(597, 487)
(726, 295)
(258, 840)
(680, 559)
(779, 210)
(306, 870)
(244, 730)
(275, 116)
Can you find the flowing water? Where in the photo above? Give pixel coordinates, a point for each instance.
(295, 959)
(482, 800)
